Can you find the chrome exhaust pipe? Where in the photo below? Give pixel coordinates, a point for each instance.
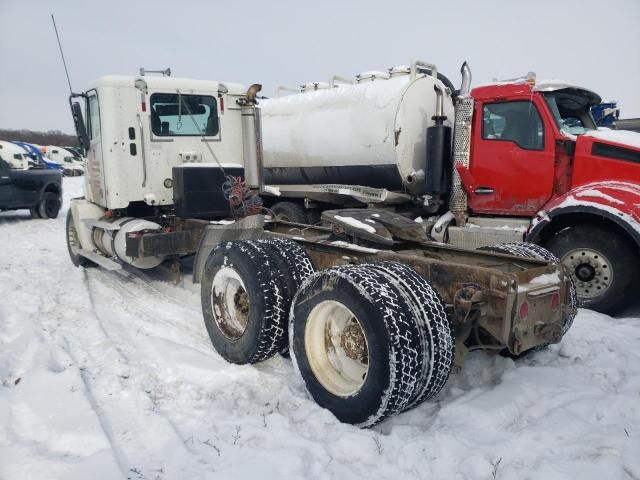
(465, 87)
(439, 102)
(252, 93)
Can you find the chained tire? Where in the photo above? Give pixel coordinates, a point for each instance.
(295, 266)
(602, 263)
(243, 302)
(429, 311)
(360, 345)
(73, 244)
(295, 260)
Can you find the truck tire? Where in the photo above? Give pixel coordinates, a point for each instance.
(297, 261)
(602, 263)
(289, 212)
(50, 205)
(294, 266)
(531, 250)
(356, 344)
(431, 314)
(73, 244)
(242, 297)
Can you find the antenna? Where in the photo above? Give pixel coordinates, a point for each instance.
(62, 53)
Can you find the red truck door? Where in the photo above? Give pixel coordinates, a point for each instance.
(512, 158)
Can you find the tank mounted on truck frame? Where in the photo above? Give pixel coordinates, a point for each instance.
(374, 313)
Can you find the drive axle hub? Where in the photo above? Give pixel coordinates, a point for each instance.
(353, 342)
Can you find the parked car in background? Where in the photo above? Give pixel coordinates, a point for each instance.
(37, 159)
(37, 189)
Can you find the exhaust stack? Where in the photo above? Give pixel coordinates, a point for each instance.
(461, 146)
(465, 87)
(252, 138)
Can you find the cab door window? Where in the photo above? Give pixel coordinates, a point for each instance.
(518, 122)
(93, 115)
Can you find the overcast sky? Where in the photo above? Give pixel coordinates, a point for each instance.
(593, 43)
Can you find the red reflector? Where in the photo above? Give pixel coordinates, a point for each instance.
(144, 106)
(555, 301)
(524, 310)
(221, 104)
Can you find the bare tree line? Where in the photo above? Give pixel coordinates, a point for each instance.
(52, 137)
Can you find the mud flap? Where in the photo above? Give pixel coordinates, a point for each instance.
(249, 228)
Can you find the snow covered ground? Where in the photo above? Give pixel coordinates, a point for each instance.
(111, 375)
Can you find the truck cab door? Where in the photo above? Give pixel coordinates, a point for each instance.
(6, 189)
(95, 165)
(512, 158)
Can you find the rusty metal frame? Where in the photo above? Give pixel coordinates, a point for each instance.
(483, 290)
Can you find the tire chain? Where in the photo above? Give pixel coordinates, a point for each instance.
(432, 319)
(404, 340)
(272, 336)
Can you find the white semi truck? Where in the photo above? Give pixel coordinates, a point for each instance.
(15, 156)
(374, 312)
(71, 165)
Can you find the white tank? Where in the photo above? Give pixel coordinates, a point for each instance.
(370, 133)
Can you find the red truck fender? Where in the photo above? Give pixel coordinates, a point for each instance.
(618, 202)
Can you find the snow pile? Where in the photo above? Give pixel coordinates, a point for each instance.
(108, 375)
(352, 246)
(598, 194)
(271, 190)
(355, 223)
(546, 278)
(624, 137)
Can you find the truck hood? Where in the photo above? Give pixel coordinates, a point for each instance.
(620, 138)
(606, 155)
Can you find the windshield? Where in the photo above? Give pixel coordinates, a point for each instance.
(571, 109)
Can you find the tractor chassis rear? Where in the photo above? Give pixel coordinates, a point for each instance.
(494, 301)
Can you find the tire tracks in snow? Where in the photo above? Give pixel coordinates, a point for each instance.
(171, 314)
(145, 442)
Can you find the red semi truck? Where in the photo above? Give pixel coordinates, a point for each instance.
(580, 186)
(527, 162)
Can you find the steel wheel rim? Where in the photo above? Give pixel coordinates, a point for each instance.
(590, 270)
(230, 303)
(336, 348)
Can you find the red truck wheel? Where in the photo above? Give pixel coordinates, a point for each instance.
(602, 263)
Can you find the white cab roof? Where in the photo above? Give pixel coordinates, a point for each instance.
(168, 83)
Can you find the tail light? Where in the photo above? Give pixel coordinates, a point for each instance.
(555, 301)
(524, 310)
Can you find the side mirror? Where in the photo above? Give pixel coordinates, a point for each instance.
(78, 121)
